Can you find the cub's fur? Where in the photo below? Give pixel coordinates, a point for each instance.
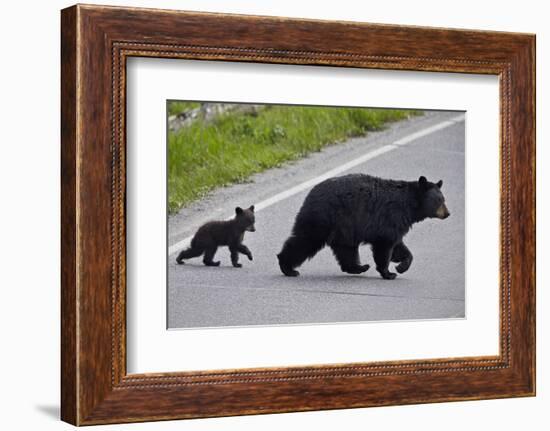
(215, 234)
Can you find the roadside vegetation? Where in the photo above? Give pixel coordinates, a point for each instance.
(177, 107)
(234, 145)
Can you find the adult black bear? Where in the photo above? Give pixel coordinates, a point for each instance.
(345, 212)
(214, 234)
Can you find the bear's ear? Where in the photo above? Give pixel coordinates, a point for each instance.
(251, 208)
(422, 181)
(439, 183)
(238, 210)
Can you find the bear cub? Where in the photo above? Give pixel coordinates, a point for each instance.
(215, 234)
(348, 211)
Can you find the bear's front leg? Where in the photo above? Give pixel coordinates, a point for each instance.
(245, 250)
(403, 256)
(382, 252)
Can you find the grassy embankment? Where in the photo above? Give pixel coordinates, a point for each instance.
(236, 145)
(175, 107)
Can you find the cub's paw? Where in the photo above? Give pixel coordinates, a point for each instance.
(180, 262)
(238, 265)
(216, 263)
(249, 256)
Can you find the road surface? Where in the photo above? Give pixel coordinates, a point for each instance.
(258, 294)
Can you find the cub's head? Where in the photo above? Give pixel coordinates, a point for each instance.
(246, 218)
(432, 200)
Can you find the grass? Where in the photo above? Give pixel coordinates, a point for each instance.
(236, 145)
(175, 108)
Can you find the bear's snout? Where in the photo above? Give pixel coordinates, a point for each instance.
(442, 212)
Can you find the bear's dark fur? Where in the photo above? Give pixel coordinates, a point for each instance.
(214, 234)
(345, 212)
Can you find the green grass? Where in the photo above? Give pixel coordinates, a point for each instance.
(175, 108)
(234, 146)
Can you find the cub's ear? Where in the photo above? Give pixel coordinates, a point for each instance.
(439, 183)
(422, 181)
(251, 208)
(238, 210)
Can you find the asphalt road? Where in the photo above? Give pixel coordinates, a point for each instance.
(258, 294)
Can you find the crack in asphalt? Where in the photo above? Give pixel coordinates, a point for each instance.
(272, 289)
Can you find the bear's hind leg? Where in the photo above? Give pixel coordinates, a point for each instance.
(209, 255)
(188, 254)
(348, 258)
(382, 252)
(403, 256)
(295, 251)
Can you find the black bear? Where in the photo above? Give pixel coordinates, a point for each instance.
(345, 212)
(214, 234)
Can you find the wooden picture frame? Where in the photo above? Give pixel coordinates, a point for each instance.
(95, 43)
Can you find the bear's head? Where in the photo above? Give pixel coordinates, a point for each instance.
(432, 200)
(245, 218)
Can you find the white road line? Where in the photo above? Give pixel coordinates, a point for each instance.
(428, 130)
(336, 171)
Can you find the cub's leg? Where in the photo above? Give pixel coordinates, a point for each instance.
(241, 248)
(189, 253)
(382, 252)
(235, 256)
(209, 255)
(402, 255)
(348, 258)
